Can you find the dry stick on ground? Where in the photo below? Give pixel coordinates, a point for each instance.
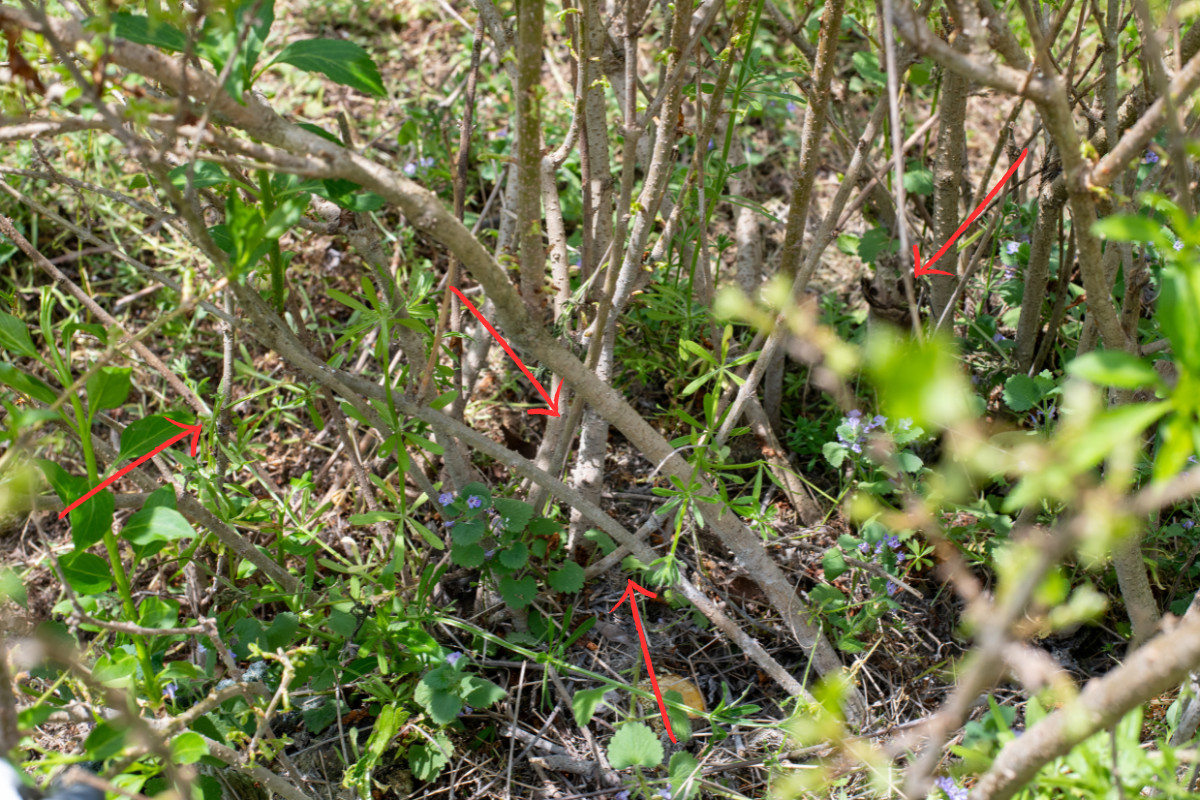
(427, 214)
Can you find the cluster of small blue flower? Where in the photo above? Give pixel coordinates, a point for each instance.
(625, 794)
(421, 164)
(953, 790)
(1151, 157)
(859, 429)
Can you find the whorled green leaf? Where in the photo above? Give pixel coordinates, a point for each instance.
(342, 62)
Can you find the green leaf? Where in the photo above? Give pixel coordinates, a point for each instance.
(1130, 228)
(835, 453)
(476, 489)
(465, 533)
(1176, 314)
(12, 587)
(834, 564)
(282, 630)
(568, 578)
(159, 524)
(518, 594)
(26, 383)
(428, 759)
(108, 388)
(1114, 368)
(87, 573)
(143, 435)
(155, 612)
(515, 556)
(918, 180)
(371, 517)
(188, 748)
(341, 61)
(874, 242)
(684, 770)
(909, 462)
(514, 514)
(480, 692)
(467, 555)
(14, 336)
(634, 745)
(1021, 393)
(106, 740)
(866, 64)
(442, 706)
(140, 29)
(91, 520)
(205, 174)
(584, 703)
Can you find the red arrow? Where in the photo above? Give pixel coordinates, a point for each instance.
(923, 269)
(630, 591)
(552, 411)
(194, 430)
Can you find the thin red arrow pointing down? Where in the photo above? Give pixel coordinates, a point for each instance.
(631, 591)
(552, 411)
(924, 269)
(194, 430)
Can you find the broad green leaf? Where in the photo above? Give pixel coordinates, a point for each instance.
(866, 64)
(518, 594)
(584, 703)
(12, 587)
(140, 29)
(143, 435)
(105, 740)
(282, 630)
(918, 180)
(25, 383)
(684, 770)
(1177, 305)
(834, 564)
(1130, 228)
(514, 514)
(467, 555)
(155, 612)
(188, 748)
(1020, 393)
(516, 556)
(465, 533)
(634, 745)
(353, 199)
(160, 524)
(428, 759)
(14, 336)
(107, 389)
(92, 519)
(205, 174)
(568, 578)
(874, 242)
(1114, 368)
(480, 692)
(341, 61)
(441, 705)
(87, 573)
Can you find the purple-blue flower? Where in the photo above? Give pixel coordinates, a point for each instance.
(864, 548)
(488, 555)
(855, 414)
(445, 498)
(999, 337)
(169, 691)
(448, 524)
(953, 790)
(665, 793)
(1151, 157)
(453, 658)
(474, 501)
(892, 588)
(622, 795)
(1012, 247)
(906, 423)
(791, 107)
(1178, 245)
(1188, 524)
